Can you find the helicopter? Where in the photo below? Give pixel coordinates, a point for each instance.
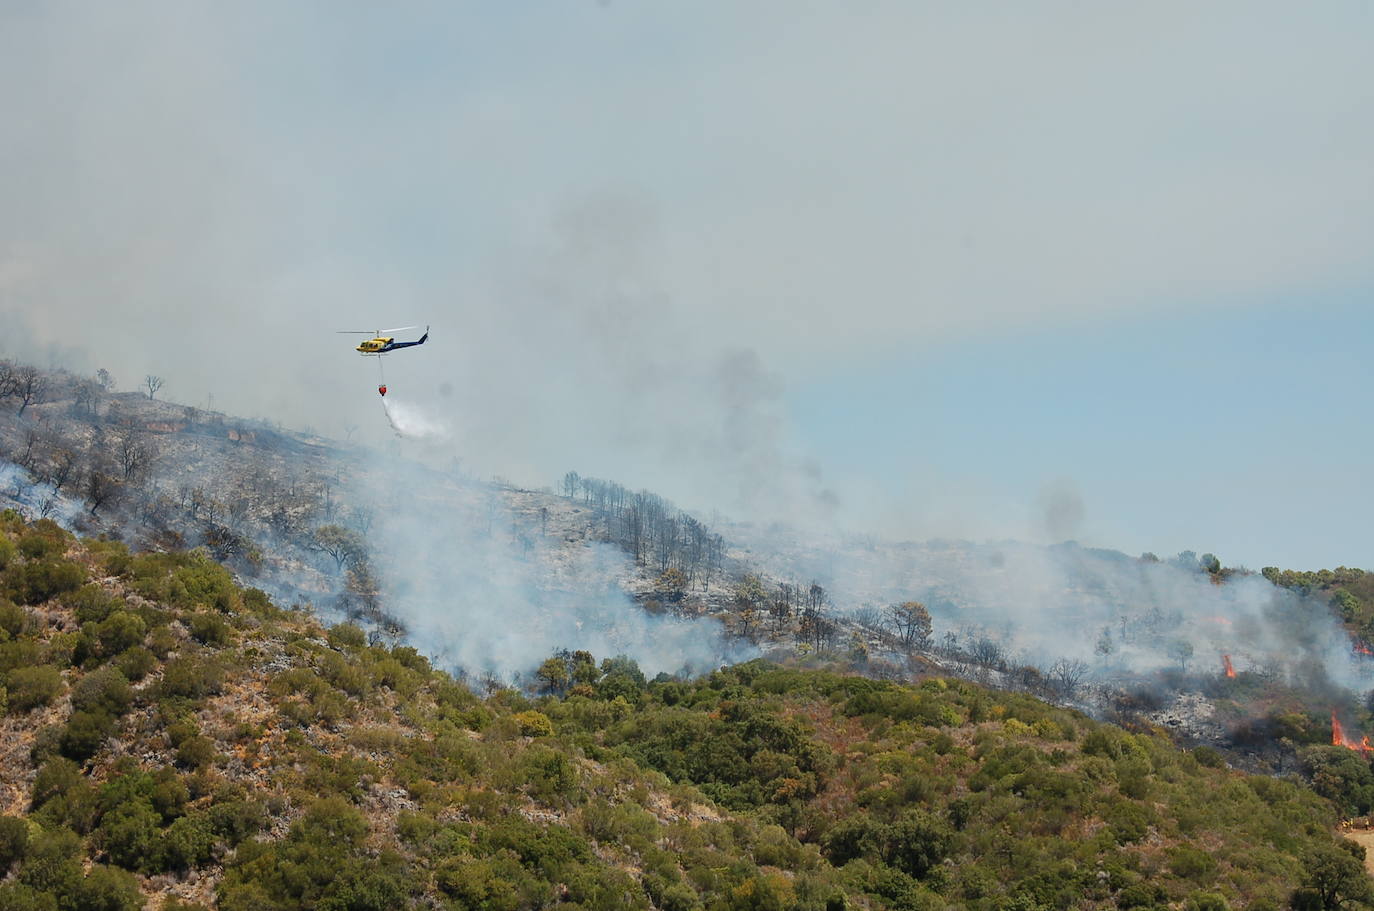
(381, 344)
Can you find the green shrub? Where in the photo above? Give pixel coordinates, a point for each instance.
(1129, 822)
(209, 629)
(14, 842)
(7, 551)
(107, 889)
(53, 865)
(32, 687)
(191, 678)
(85, 733)
(1206, 901)
(136, 663)
(14, 620)
(347, 636)
(15, 896)
(162, 642)
(34, 583)
(103, 690)
(189, 842)
(93, 603)
(196, 752)
(130, 835)
(43, 540)
(534, 724)
(1189, 862)
(119, 631)
(20, 653)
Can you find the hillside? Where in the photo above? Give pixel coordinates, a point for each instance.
(173, 740)
(488, 578)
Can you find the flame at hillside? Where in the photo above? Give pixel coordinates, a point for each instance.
(1340, 739)
(1126, 618)
(1227, 667)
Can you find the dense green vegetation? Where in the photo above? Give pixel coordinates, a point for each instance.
(1350, 592)
(168, 734)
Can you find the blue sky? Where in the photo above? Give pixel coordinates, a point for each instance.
(1244, 431)
(946, 267)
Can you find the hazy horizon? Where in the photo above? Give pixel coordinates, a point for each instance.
(1050, 273)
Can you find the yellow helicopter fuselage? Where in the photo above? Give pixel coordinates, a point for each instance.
(375, 345)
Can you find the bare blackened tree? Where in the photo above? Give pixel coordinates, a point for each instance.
(28, 384)
(571, 482)
(1066, 674)
(86, 395)
(102, 483)
(361, 517)
(987, 653)
(134, 451)
(105, 380)
(30, 445)
(152, 384)
(813, 626)
(634, 522)
(780, 608)
(666, 543)
(61, 467)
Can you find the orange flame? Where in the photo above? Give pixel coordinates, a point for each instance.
(1363, 649)
(1339, 739)
(1226, 664)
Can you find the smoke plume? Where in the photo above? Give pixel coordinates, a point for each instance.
(413, 422)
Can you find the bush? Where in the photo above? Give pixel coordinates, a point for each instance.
(93, 603)
(54, 865)
(85, 734)
(14, 620)
(32, 687)
(534, 724)
(19, 897)
(191, 678)
(103, 690)
(136, 663)
(129, 835)
(1129, 822)
(196, 752)
(34, 583)
(346, 636)
(119, 631)
(42, 543)
(189, 842)
(107, 889)
(209, 629)
(14, 842)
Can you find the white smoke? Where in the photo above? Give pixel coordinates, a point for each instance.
(480, 588)
(37, 499)
(413, 423)
(1041, 603)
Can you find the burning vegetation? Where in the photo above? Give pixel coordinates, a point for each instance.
(183, 738)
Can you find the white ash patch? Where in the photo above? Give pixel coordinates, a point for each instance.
(1190, 715)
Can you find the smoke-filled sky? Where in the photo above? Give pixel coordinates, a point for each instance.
(1042, 272)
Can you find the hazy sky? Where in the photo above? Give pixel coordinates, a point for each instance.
(1057, 269)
